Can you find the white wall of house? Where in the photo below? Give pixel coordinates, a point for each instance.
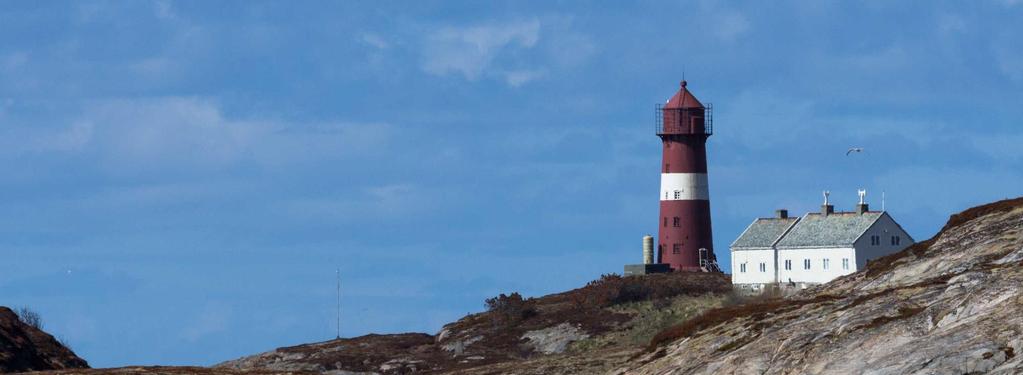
(753, 266)
(825, 264)
(885, 229)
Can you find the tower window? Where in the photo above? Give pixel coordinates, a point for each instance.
(667, 168)
(678, 194)
(788, 264)
(665, 218)
(676, 222)
(676, 249)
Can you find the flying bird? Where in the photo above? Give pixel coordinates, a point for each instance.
(853, 149)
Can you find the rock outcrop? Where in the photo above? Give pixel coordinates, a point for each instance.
(949, 305)
(26, 348)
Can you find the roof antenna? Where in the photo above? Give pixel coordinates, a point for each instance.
(338, 303)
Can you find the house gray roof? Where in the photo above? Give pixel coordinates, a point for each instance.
(763, 233)
(837, 229)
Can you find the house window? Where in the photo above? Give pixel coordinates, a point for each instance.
(845, 263)
(676, 248)
(763, 267)
(825, 263)
(896, 240)
(678, 194)
(875, 240)
(742, 268)
(788, 264)
(676, 222)
(806, 264)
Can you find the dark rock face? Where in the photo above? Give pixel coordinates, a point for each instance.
(26, 348)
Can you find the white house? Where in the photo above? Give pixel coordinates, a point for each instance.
(813, 249)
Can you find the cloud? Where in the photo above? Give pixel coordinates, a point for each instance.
(193, 133)
(168, 131)
(951, 23)
(387, 201)
(730, 25)
(470, 51)
(163, 9)
(13, 61)
(1010, 62)
(517, 78)
(1002, 147)
(374, 40)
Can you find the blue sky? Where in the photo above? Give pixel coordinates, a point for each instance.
(181, 179)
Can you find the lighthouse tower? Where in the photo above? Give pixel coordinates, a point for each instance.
(684, 232)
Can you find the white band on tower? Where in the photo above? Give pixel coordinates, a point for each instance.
(684, 186)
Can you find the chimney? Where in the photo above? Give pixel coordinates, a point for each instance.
(648, 249)
(862, 207)
(781, 214)
(827, 208)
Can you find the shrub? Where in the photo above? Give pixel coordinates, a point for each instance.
(613, 289)
(30, 317)
(511, 308)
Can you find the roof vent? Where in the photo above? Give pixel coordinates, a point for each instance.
(827, 208)
(862, 207)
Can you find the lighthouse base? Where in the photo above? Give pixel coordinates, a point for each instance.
(646, 269)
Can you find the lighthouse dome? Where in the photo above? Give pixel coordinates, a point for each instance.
(683, 99)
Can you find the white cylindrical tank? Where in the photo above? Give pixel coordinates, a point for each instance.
(648, 249)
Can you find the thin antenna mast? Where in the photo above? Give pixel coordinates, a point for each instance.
(338, 303)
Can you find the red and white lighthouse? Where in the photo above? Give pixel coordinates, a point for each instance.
(684, 232)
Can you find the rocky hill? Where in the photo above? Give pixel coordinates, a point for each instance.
(26, 348)
(949, 305)
(614, 316)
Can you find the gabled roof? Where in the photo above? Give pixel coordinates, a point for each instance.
(763, 233)
(836, 229)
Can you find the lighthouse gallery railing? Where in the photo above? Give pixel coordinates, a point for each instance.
(684, 120)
